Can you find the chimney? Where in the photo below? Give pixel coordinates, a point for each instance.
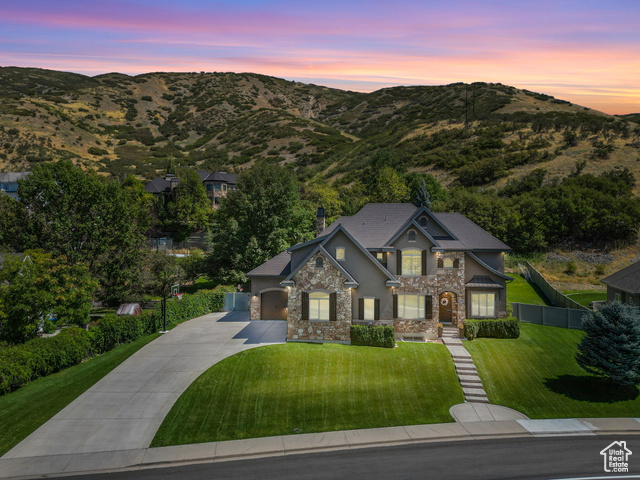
(320, 222)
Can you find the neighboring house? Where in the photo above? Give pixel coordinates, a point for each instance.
(9, 183)
(392, 264)
(216, 184)
(624, 285)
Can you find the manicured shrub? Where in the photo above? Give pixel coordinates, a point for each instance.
(492, 328)
(24, 363)
(373, 336)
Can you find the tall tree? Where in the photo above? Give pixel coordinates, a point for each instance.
(611, 345)
(37, 285)
(260, 219)
(87, 219)
(190, 208)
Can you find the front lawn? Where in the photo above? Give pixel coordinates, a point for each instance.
(521, 291)
(303, 388)
(26, 409)
(584, 297)
(537, 375)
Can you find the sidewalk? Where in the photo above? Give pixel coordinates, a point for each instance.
(124, 410)
(79, 463)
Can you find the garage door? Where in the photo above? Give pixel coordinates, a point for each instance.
(273, 306)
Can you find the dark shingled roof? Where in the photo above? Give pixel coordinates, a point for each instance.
(627, 279)
(218, 177)
(375, 223)
(158, 185)
(468, 233)
(483, 281)
(278, 266)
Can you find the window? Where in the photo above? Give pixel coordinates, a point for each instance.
(209, 187)
(412, 235)
(216, 201)
(318, 306)
(380, 257)
(410, 306)
(423, 221)
(411, 262)
(618, 297)
(218, 187)
(369, 309)
(224, 187)
(340, 253)
(319, 262)
(483, 304)
(447, 263)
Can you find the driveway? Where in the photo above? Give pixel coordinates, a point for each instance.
(124, 410)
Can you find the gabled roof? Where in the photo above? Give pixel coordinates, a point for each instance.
(278, 266)
(491, 269)
(350, 282)
(375, 223)
(469, 234)
(218, 177)
(627, 279)
(417, 226)
(11, 177)
(159, 185)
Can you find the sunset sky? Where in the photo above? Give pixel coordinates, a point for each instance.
(584, 51)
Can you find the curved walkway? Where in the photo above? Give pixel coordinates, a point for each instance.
(124, 410)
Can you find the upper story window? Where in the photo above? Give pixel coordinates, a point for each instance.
(224, 187)
(380, 257)
(209, 187)
(411, 262)
(447, 263)
(340, 253)
(423, 221)
(412, 235)
(319, 262)
(218, 187)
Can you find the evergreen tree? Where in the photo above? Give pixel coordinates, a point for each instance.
(422, 198)
(611, 346)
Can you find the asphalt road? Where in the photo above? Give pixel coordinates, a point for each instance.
(496, 459)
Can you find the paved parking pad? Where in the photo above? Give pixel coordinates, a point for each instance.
(124, 410)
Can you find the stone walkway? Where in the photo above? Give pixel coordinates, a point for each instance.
(465, 368)
(124, 409)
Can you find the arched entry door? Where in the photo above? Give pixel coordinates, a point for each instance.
(273, 305)
(446, 307)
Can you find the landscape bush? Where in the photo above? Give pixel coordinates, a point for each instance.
(491, 328)
(373, 336)
(39, 357)
(24, 363)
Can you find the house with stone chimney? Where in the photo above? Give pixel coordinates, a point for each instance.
(389, 264)
(216, 185)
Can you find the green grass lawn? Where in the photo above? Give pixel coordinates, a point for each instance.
(303, 388)
(522, 291)
(584, 297)
(538, 375)
(23, 411)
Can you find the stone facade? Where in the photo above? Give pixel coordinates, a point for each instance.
(445, 280)
(329, 279)
(254, 307)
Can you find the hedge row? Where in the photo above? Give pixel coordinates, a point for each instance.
(498, 328)
(373, 336)
(42, 356)
(21, 364)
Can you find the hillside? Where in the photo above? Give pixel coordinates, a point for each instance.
(478, 134)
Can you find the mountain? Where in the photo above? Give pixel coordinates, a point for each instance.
(471, 134)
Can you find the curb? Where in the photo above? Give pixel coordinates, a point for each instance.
(235, 450)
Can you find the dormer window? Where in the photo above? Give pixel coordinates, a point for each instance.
(340, 253)
(412, 235)
(319, 262)
(423, 221)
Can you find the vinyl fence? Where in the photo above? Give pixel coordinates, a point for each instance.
(234, 301)
(551, 316)
(556, 297)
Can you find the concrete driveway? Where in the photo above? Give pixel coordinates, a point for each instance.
(124, 410)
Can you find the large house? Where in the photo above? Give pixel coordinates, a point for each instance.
(216, 184)
(392, 264)
(624, 285)
(9, 183)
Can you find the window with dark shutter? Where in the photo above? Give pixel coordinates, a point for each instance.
(395, 306)
(440, 263)
(361, 309)
(305, 306)
(332, 307)
(424, 263)
(377, 309)
(456, 263)
(398, 262)
(428, 307)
